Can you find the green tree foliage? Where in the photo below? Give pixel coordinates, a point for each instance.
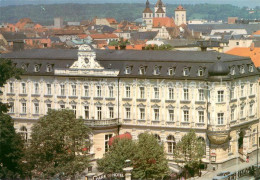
(150, 159)
(58, 145)
(7, 71)
(114, 160)
(11, 145)
(190, 151)
(78, 12)
(11, 149)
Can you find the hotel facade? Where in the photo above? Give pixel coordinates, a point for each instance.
(166, 93)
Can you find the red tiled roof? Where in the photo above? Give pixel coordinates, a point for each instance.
(257, 32)
(111, 20)
(165, 21)
(253, 53)
(103, 36)
(180, 8)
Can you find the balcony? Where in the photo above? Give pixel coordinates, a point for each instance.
(94, 123)
(218, 134)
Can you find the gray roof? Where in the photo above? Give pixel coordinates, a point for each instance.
(120, 59)
(206, 28)
(144, 35)
(10, 36)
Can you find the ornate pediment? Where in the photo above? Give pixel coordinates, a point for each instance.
(170, 106)
(85, 103)
(61, 102)
(155, 106)
(10, 99)
(127, 105)
(141, 105)
(35, 100)
(252, 101)
(73, 102)
(98, 104)
(86, 59)
(110, 104)
(200, 108)
(23, 100)
(185, 107)
(48, 101)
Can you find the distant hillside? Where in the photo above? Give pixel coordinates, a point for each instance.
(44, 14)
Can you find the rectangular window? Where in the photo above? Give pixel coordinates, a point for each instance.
(186, 94)
(251, 89)
(201, 95)
(201, 116)
(111, 112)
(86, 91)
(220, 96)
(62, 106)
(11, 107)
(127, 113)
(186, 115)
(11, 87)
(232, 93)
(242, 90)
(142, 93)
(36, 88)
(107, 138)
(24, 108)
(156, 114)
(171, 115)
(142, 113)
(156, 93)
(111, 91)
(23, 88)
(232, 115)
(74, 91)
(36, 108)
(74, 109)
(62, 90)
(99, 113)
(48, 89)
(127, 92)
(242, 111)
(48, 106)
(251, 111)
(220, 118)
(171, 93)
(86, 112)
(99, 91)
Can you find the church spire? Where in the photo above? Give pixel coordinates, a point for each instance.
(147, 4)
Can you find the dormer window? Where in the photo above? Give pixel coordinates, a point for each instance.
(156, 70)
(233, 70)
(49, 68)
(142, 70)
(171, 71)
(24, 67)
(201, 72)
(36, 68)
(128, 70)
(251, 68)
(186, 71)
(242, 69)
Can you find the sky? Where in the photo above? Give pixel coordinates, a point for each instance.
(240, 3)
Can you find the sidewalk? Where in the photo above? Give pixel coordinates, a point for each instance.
(241, 165)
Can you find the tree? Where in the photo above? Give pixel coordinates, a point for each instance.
(190, 151)
(58, 146)
(150, 159)
(114, 160)
(11, 145)
(7, 71)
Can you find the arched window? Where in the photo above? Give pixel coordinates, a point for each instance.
(157, 137)
(49, 68)
(242, 69)
(171, 143)
(36, 68)
(232, 70)
(142, 70)
(156, 70)
(24, 67)
(203, 142)
(200, 72)
(24, 133)
(128, 70)
(251, 68)
(185, 71)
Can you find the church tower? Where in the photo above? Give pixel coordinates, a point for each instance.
(158, 5)
(180, 16)
(148, 16)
